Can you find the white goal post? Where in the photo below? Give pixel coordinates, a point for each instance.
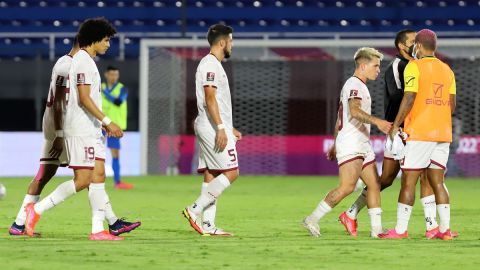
(154, 61)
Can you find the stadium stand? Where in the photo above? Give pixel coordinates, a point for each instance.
(27, 25)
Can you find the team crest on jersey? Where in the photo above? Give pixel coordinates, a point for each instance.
(210, 76)
(80, 78)
(60, 80)
(353, 93)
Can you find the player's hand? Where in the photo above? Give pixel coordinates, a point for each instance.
(221, 140)
(237, 134)
(114, 130)
(393, 132)
(332, 153)
(57, 147)
(384, 126)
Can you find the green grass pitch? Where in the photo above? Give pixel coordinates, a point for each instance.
(265, 214)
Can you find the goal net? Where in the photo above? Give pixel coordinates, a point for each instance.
(285, 100)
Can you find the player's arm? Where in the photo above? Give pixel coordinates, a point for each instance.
(214, 112)
(60, 89)
(87, 102)
(117, 100)
(237, 134)
(453, 95)
(332, 152)
(411, 77)
(355, 110)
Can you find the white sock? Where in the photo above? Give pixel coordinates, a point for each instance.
(358, 205)
(96, 196)
(444, 214)
(376, 219)
(322, 209)
(209, 212)
(22, 215)
(212, 192)
(430, 211)
(404, 211)
(109, 214)
(60, 194)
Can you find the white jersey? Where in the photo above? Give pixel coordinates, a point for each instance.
(352, 134)
(210, 72)
(59, 78)
(78, 121)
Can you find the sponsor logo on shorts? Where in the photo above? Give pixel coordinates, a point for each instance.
(210, 76)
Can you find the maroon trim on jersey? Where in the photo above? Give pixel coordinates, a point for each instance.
(350, 160)
(360, 80)
(388, 158)
(368, 163)
(81, 167)
(84, 84)
(71, 56)
(438, 164)
(355, 98)
(202, 170)
(222, 171)
(210, 86)
(101, 159)
(64, 165)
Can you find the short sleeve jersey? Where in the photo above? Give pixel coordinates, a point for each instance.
(59, 78)
(210, 72)
(351, 132)
(78, 121)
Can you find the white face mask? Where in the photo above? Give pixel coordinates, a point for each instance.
(414, 53)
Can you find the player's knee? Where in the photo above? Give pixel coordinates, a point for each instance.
(346, 189)
(99, 177)
(232, 175)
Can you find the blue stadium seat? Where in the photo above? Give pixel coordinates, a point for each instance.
(169, 16)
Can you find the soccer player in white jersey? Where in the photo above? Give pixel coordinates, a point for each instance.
(53, 154)
(216, 136)
(82, 128)
(352, 146)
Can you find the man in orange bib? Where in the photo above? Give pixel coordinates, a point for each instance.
(426, 109)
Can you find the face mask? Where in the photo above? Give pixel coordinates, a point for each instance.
(414, 53)
(410, 50)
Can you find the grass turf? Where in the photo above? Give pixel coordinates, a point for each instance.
(264, 213)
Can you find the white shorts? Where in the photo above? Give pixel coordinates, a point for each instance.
(420, 155)
(100, 149)
(386, 152)
(83, 151)
(366, 153)
(46, 158)
(208, 158)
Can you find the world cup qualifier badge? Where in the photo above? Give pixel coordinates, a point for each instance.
(210, 76)
(60, 80)
(353, 93)
(80, 78)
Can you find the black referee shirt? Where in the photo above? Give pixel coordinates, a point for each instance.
(394, 85)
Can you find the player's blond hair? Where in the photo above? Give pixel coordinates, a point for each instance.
(366, 54)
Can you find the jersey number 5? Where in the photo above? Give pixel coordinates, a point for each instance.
(231, 153)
